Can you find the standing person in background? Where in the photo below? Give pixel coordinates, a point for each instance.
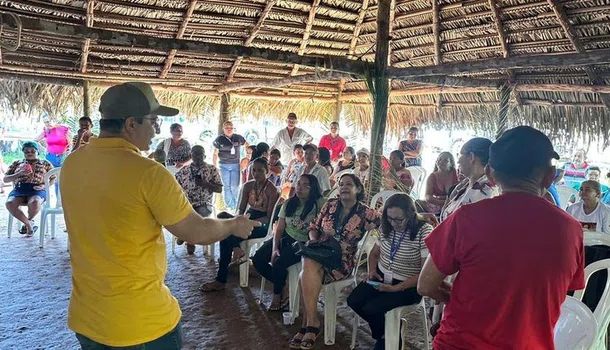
(57, 140)
(412, 148)
(177, 150)
(287, 138)
(333, 142)
(84, 133)
(199, 181)
(227, 149)
(245, 161)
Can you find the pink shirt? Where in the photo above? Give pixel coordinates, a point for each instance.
(57, 139)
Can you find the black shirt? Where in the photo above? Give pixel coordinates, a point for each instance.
(225, 145)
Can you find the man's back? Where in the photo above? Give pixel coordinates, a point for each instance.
(517, 256)
(115, 202)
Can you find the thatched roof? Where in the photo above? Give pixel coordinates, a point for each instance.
(423, 34)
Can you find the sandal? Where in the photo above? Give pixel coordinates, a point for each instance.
(238, 262)
(308, 343)
(213, 286)
(283, 304)
(295, 342)
(23, 230)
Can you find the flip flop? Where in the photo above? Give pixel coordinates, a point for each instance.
(238, 262)
(23, 230)
(309, 343)
(211, 287)
(283, 304)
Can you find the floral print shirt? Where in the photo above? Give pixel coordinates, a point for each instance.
(177, 154)
(348, 236)
(40, 167)
(465, 193)
(198, 196)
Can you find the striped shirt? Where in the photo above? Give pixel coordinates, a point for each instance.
(408, 259)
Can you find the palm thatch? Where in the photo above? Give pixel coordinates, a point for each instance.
(423, 33)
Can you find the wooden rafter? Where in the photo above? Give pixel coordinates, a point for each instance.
(436, 33)
(564, 21)
(308, 25)
(357, 27)
(249, 84)
(87, 42)
(169, 60)
(257, 27)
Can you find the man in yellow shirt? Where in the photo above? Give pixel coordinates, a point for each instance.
(115, 202)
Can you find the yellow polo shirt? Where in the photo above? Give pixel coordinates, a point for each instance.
(115, 202)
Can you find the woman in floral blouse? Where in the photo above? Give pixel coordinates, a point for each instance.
(273, 259)
(28, 176)
(177, 149)
(345, 219)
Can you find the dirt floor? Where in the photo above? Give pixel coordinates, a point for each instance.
(35, 288)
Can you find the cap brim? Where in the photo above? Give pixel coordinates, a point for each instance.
(555, 155)
(166, 111)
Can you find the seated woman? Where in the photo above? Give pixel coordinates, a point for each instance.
(275, 167)
(439, 183)
(346, 220)
(362, 167)
(273, 259)
(395, 261)
(590, 211)
(28, 176)
(397, 177)
(261, 151)
(243, 164)
(324, 159)
(260, 196)
(347, 162)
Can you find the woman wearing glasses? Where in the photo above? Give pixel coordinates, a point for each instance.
(395, 263)
(177, 149)
(412, 148)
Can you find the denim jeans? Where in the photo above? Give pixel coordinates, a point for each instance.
(56, 159)
(169, 341)
(230, 182)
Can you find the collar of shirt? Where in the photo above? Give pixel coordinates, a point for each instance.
(113, 142)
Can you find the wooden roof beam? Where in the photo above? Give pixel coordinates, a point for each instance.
(308, 25)
(257, 27)
(87, 43)
(264, 83)
(564, 21)
(357, 27)
(169, 60)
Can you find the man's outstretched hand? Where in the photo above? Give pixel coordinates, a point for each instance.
(244, 226)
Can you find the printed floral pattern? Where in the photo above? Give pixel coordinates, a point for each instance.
(348, 238)
(197, 195)
(464, 193)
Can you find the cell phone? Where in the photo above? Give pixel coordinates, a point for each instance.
(374, 283)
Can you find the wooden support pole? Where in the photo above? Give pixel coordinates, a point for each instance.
(503, 110)
(224, 112)
(339, 104)
(381, 96)
(86, 100)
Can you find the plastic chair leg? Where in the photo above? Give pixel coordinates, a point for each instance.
(43, 227)
(53, 226)
(392, 329)
(425, 324)
(355, 330)
(260, 297)
(174, 244)
(294, 294)
(10, 225)
(244, 269)
(330, 314)
(293, 286)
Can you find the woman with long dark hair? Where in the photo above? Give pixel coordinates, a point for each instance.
(395, 263)
(324, 159)
(439, 183)
(276, 255)
(344, 220)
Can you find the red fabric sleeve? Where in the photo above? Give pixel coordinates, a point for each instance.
(578, 280)
(441, 243)
(324, 142)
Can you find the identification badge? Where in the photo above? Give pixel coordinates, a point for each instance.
(232, 150)
(388, 277)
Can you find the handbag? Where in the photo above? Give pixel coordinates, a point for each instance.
(328, 252)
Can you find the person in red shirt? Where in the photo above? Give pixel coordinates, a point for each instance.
(515, 255)
(335, 143)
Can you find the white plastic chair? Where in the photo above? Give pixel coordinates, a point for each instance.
(392, 325)
(576, 328)
(418, 174)
(565, 193)
(383, 196)
(209, 248)
(49, 208)
(293, 282)
(596, 238)
(331, 291)
(341, 173)
(248, 244)
(602, 311)
(334, 193)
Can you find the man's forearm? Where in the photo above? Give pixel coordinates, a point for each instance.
(211, 230)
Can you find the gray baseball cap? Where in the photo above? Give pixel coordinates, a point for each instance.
(133, 99)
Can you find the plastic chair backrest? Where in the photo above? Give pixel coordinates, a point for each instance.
(576, 327)
(341, 173)
(334, 193)
(418, 174)
(596, 238)
(48, 187)
(565, 193)
(603, 307)
(383, 196)
(274, 216)
(361, 250)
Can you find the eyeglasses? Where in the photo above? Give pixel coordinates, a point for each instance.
(397, 220)
(156, 120)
